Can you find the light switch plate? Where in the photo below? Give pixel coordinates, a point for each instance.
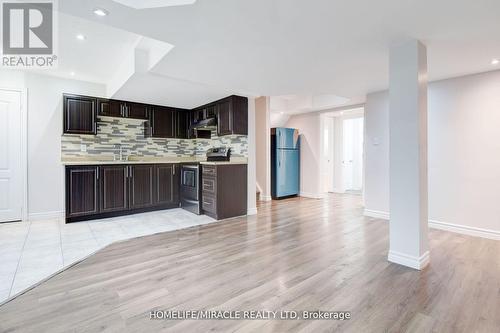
(83, 148)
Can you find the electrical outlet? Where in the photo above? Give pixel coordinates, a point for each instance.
(83, 148)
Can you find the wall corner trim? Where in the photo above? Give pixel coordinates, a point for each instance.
(252, 211)
(456, 228)
(312, 195)
(46, 216)
(265, 198)
(376, 214)
(465, 230)
(408, 260)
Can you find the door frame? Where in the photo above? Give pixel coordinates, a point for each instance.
(24, 147)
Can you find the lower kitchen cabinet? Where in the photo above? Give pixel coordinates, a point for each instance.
(82, 191)
(224, 190)
(141, 186)
(112, 190)
(114, 196)
(166, 189)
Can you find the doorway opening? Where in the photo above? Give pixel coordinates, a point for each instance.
(342, 151)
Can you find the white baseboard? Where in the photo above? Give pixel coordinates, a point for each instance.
(376, 214)
(312, 195)
(409, 261)
(457, 228)
(45, 216)
(252, 211)
(465, 230)
(265, 197)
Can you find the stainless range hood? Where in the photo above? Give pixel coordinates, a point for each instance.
(206, 124)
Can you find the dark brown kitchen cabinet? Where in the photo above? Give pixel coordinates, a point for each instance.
(198, 115)
(82, 191)
(137, 111)
(167, 184)
(232, 116)
(121, 109)
(114, 188)
(109, 108)
(79, 114)
(211, 111)
(182, 118)
(224, 119)
(224, 190)
(141, 191)
(163, 122)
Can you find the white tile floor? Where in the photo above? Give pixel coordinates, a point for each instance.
(32, 251)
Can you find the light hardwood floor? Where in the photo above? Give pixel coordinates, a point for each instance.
(296, 254)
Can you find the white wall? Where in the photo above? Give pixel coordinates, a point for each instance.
(463, 148)
(44, 128)
(377, 152)
(263, 146)
(309, 126)
(278, 119)
(251, 165)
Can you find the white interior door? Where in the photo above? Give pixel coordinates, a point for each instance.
(357, 154)
(11, 180)
(352, 154)
(328, 155)
(347, 154)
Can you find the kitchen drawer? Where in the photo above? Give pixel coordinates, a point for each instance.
(209, 185)
(209, 203)
(209, 170)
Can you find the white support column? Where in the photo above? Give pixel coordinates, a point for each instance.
(408, 155)
(251, 167)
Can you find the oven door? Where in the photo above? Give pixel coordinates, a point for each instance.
(190, 183)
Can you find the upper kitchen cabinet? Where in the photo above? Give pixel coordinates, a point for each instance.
(79, 114)
(232, 116)
(137, 111)
(115, 108)
(224, 119)
(109, 108)
(163, 122)
(198, 115)
(182, 124)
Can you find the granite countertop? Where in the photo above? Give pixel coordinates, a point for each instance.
(166, 160)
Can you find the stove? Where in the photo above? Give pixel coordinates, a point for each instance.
(218, 154)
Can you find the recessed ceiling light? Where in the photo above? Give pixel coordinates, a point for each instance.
(495, 62)
(281, 112)
(72, 73)
(100, 12)
(81, 37)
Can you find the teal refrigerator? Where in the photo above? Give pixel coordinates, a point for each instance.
(285, 162)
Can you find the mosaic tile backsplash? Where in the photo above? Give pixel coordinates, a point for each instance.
(129, 134)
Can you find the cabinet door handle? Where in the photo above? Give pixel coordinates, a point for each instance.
(174, 170)
(97, 173)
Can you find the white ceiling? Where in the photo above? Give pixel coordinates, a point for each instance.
(314, 47)
(154, 3)
(97, 57)
(161, 90)
(294, 104)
